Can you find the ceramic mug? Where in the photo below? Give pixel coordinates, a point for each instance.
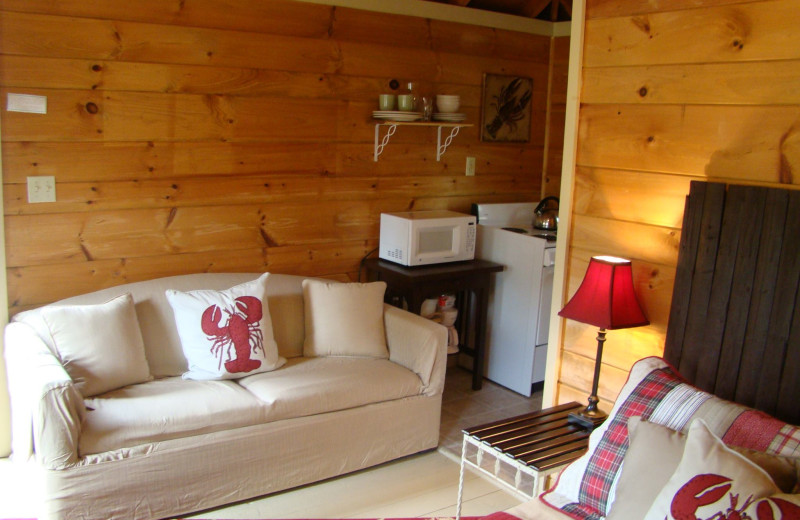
(386, 101)
(405, 102)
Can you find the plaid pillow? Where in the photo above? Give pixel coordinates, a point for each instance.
(758, 431)
(654, 391)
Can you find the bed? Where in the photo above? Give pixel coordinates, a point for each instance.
(693, 434)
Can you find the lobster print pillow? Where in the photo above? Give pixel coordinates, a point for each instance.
(226, 334)
(656, 451)
(714, 481)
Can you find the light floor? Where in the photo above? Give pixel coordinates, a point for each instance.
(423, 485)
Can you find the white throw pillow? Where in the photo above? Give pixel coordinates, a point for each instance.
(656, 451)
(100, 346)
(226, 334)
(711, 479)
(344, 319)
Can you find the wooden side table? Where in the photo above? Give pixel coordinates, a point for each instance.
(520, 452)
(415, 284)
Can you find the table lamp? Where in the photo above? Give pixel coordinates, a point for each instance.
(605, 299)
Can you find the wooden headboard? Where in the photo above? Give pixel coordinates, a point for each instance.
(734, 326)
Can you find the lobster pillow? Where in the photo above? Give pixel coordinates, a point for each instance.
(713, 481)
(226, 334)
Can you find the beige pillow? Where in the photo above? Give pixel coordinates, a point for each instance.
(100, 346)
(344, 319)
(710, 479)
(656, 450)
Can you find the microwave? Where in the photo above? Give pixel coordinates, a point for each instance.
(427, 237)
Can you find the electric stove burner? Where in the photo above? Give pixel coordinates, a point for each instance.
(547, 236)
(516, 230)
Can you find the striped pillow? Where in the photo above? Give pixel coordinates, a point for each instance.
(656, 392)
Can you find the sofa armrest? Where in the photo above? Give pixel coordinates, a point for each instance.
(46, 407)
(418, 344)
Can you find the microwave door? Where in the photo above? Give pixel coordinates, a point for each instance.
(437, 242)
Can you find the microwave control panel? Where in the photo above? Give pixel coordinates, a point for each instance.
(471, 231)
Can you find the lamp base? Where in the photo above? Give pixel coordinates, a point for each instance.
(587, 419)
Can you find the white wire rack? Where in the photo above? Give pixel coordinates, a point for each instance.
(524, 481)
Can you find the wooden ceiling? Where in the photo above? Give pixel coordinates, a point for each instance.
(550, 10)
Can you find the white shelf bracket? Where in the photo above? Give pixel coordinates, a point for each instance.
(442, 147)
(383, 142)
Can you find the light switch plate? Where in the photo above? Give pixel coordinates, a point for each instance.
(26, 103)
(42, 189)
(470, 169)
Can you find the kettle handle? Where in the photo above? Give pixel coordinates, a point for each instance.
(543, 204)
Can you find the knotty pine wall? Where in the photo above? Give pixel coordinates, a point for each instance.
(557, 103)
(202, 135)
(673, 90)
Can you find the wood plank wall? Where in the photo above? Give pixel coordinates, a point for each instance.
(200, 135)
(673, 90)
(557, 104)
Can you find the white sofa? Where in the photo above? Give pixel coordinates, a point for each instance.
(169, 446)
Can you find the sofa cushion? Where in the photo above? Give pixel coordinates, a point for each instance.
(710, 479)
(344, 319)
(226, 334)
(100, 346)
(656, 451)
(165, 409)
(157, 323)
(307, 386)
(655, 391)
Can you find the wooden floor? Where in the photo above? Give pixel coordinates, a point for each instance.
(424, 485)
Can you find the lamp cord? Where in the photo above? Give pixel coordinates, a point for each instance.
(363, 261)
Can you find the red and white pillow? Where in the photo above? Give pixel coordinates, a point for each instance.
(714, 481)
(586, 489)
(226, 334)
(656, 451)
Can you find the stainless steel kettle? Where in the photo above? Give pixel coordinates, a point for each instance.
(545, 217)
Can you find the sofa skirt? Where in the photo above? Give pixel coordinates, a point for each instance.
(181, 476)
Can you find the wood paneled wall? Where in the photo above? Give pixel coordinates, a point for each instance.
(201, 135)
(673, 90)
(557, 103)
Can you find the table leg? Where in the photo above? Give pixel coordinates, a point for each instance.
(479, 328)
(415, 299)
(538, 485)
(461, 478)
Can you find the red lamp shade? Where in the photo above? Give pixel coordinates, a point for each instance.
(606, 297)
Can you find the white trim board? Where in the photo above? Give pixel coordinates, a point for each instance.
(560, 281)
(5, 406)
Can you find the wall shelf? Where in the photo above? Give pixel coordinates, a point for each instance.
(441, 146)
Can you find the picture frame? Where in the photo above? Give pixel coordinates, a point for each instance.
(506, 109)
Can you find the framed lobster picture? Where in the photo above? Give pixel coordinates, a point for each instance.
(506, 109)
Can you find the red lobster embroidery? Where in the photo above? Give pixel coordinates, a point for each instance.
(704, 490)
(240, 332)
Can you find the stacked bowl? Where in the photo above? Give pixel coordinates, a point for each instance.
(446, 106)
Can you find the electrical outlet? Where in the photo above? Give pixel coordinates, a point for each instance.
(42, 189)
(470, 169)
